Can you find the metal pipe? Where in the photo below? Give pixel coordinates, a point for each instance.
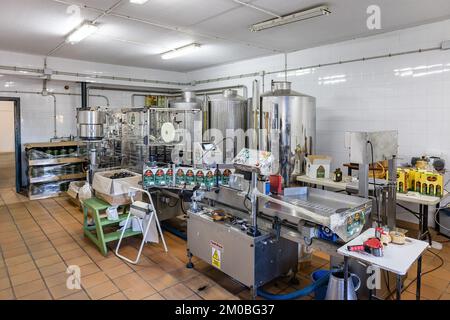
(54, 115)
(84, 96)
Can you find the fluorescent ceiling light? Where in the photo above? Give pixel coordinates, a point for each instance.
(181, 51)
(291, 18)
(138, 1)
(83, 31)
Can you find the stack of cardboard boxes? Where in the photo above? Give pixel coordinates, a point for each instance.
(422, 181)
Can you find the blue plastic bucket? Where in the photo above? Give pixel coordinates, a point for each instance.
(321, 291)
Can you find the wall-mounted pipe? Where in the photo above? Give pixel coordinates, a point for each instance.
(53, 95)
(84, 96)
(54, 116)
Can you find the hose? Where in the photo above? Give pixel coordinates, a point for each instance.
(296, 294)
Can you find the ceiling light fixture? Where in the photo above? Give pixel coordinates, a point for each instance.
(181, 51)
(291, 18)
(83, 31)
(138, 1)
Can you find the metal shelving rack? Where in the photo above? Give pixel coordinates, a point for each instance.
(49, 163)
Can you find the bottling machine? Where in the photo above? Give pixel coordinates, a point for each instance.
(258, 244)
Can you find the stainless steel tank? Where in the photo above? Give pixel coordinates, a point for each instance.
(228, 115)
(288, 123)
(91, 124)
(191, 122)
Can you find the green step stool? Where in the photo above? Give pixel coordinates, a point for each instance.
(95, 233)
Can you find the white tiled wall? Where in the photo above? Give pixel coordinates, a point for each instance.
(369, 95)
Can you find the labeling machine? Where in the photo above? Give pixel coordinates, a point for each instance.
(254, 237)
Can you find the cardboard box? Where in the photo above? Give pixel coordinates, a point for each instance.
(119, 200)
(105, 185)
(318, 166)
(432, 184)
(402, 180)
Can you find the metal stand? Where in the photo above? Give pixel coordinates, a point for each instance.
(345, 278)
(254, 200)
(419, 278)
(189, 265)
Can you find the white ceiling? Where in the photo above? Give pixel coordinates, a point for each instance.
(221, 26)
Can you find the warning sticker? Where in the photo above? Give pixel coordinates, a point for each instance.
(216, 258)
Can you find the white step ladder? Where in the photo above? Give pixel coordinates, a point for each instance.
(142, 211)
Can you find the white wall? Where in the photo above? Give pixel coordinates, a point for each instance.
(6, 126)
(373, 96)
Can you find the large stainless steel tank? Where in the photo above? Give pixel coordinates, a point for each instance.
(91, 124)
(288, 123)
(228, 118)
(191, 122)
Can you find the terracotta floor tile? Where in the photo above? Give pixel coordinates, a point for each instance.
(127, 281)
(426, 291)
(18, 260)
(155, 296)
(11, 253)
(43, 253)
(80, 295)
(3, 272)
(151, 273)
(214, 293)
(60, 291)
(163, 282)
(184, 274)
(93, 280)
(89, 269)
(56, 279)
(72, 254)
(20, 268)
(118, 271)
(199, 282)
(29, 288)
(80, 261)
(25, 277)
(110, 263)
(139, 291)
(103, 290)
(116, 296)
(50, 270)
(177, 292)
(67, 247)
(4, 283)
(194, 297)
(40, 295)
(47, 261)
(7, 294)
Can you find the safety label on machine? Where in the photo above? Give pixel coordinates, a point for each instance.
(216, 254)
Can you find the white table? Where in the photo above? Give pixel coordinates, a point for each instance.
(397, 259)
(411, 197)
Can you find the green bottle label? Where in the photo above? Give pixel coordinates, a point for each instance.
(149, 178)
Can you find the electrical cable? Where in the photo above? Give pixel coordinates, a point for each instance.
(247, 197)
(435, 217)
(374, 184)
(424, 273)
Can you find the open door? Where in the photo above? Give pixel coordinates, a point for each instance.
(10, 144)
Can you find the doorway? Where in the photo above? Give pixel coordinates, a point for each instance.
(10, 144)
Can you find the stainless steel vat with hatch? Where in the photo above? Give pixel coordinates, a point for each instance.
(91, 124)
(192, 122)
(288, 123)
(227, 123)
